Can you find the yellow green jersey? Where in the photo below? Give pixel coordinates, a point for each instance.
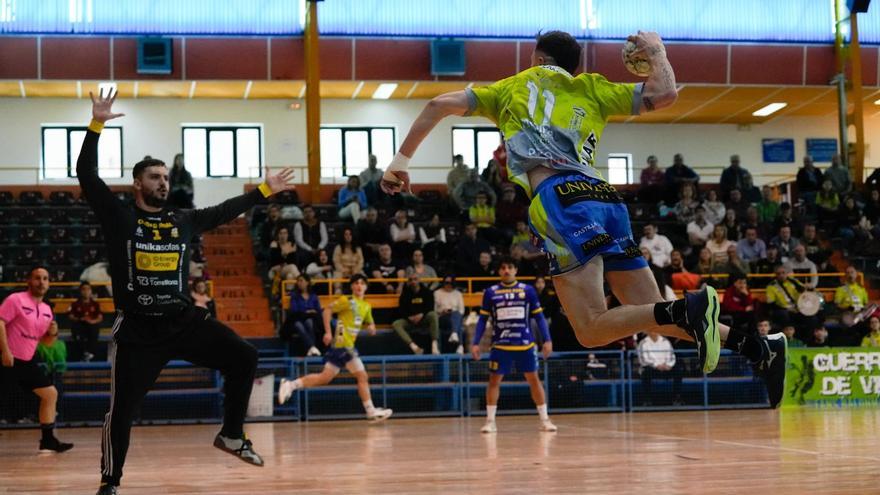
(352, 315)
(549, 117)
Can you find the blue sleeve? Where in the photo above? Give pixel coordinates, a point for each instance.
(481, 328)
(315, 303)
(486, 308)
(362, 198)
(542, 326)
(342, 197)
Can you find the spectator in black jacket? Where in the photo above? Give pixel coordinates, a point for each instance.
(416, 307)
(371, 234)
(809, 181)
(732, 177)
(468, 251)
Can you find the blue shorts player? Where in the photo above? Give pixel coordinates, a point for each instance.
(512, 305)
(552, 119)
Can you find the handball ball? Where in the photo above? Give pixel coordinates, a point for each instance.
(638, 65)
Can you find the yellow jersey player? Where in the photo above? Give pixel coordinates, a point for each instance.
(552, 121)
(353, 313)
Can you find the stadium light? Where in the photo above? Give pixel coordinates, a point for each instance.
(877, 102)
(769, 109)
(384, 91)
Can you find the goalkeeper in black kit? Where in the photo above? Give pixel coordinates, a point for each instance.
(148, 249)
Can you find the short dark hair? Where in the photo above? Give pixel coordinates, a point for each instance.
(37, 267)
(85, 284)
(506, 260)
(142, 165)
(357, 276)
(562, 47)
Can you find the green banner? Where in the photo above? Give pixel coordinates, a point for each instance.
(832, 377)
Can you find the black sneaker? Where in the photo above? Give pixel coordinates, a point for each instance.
(239, 447)
(772, 366)
(107, 489)
(701, 322)
(54, 445)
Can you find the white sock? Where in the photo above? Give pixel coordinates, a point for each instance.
(490, 413)
(298, 384)
(542, 412)
(369, 408)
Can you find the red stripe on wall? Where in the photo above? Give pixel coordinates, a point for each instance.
(489, 60)
(393, 59)
(76, 58)
(606, 59)
(125, 60)
(226, 58)
(698, 63)
(336, 58)
(751, 64)
(869, 65)
(820, 64)
(525, 54)
(288, 58)
(18, 58)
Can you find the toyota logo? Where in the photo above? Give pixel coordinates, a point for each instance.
(145, 300)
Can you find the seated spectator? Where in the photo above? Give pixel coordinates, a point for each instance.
(699, 230)
(371, 234)
(657, 361)
(739, 303)
(284, 257)
(782, 295)
(732, 177)
(459, 174)
(718, 244)
(731, 225)
(369, 179)
(468, 250)
(715, 209)
(270, 226)
(677, 174)
(793, 341)
(304, 315)
(85, 317)
(800, 264)
(840, 176)
(768, 207)
(348, 258)
(482, 214)
(180, 184)
(385, 267)
(734, 266)
(687, 203)
(809, 182)
(827, 203)
(651, 182)
(449, 306)
(737, 203)
(310, 233)
(416, 309)
(352, 200)
(658, 244)
(524, 265)
(402, 234)
(851, 222)
(787, 218)
(521, 235)
(820, 338)
(676, 265)
(750, 248)
(200, 296)
(815, 252)
(785, 242)
(465, 194)
(873, 337)
(321, 267)
(851, 296)
(872, 209)
(433, 239)
(766, 265)
(421, 269)
(656, 271)
(705, 265)
(751, 221)
(509, 210)
(492, 175)
(484, 269)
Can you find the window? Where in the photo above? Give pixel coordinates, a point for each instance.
(475, 144)
(620, 170)
(62, 144)
(223, 150)
(346, 150)
(7, 10)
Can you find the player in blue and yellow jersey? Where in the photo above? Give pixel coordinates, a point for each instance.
(352, 314)
(552, 121)
(512, 305)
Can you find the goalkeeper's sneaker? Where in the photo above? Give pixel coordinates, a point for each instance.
(701, 322)
(379, 414)
(772, 366)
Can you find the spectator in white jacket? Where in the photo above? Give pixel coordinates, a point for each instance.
(658, 244)
(657, 360)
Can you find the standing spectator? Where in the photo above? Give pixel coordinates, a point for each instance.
(750, 248)
(715, 209)
(402, 234)
(840, 177)
(827, 203)
(310, 233)
(303, 315)
(687, 203)
(737, 203)
(449, 306)
(421, 269)
(371, 234)
(468, 250)
(348, 258)
(651, 182)
(416, 306)
(785, 242)
(465, 193)
(200, 296)
(699, 230)
(679, 173)
(809, 181)
(658, 244)
(718, 244)
(370, 178)
(751, 193)
(352, 199)
(433, 239)
(85, 316)
(386, 267)
(321, 268)
(180, 184)
(800, 264)
(851, 296)
(732, 177)
(739, 303)
(657, 361)
(510, 210)
(24, 320)
(768, 208)
(459, 173)
(285, 259)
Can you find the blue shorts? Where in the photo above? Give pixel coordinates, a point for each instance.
(501, 361)
(339, 357)
(576, 218)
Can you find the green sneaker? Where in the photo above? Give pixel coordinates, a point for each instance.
(701, 322)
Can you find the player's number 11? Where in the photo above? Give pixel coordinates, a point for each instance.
(549, 101)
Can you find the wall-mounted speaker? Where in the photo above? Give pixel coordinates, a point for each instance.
(154, 56)
(447, 58)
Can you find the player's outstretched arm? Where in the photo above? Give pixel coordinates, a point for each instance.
(94, 189)
(659, 90)
(396, 177)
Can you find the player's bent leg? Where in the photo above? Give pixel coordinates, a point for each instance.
(375, 414)
(287, 387)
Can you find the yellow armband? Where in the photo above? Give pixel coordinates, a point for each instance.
(96, 126)
(265, 190)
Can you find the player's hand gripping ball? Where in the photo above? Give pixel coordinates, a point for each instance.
(635, 61)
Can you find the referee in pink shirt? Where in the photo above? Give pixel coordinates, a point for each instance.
(24, 320)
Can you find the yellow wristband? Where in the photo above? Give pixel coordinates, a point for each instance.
(96, 126)
(265, 190)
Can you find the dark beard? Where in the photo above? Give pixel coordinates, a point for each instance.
(154, 201)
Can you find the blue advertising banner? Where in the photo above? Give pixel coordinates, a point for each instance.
(778, 150)
(821, 149)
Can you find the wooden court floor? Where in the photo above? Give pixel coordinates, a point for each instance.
(720, 452)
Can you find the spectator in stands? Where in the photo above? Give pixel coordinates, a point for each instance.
(53, 354)
(449, 306)
(873, 337)
(304, 315)
(785, 242)
(321, 267)
(521, 235)
(524, 265)
(492, 175)
(651, 182)
(734, 266)
(786, 217)
(815, 252)
(687, 203)
(799, 263)
(484, 268)
(509, 210)
(285, 259)
(840, 176)
(827, 203)
(679, 173)
(348, 258)
(468, 250)
(676, 265)
(750, 248)
(705, 265)
(731, 225)
(872, 208)
(737, 203)
(820, 338)
(370, 178)
(200, 296)
(433, 239)
(766, 265)
(30, 235)
(715, 209)
(793, 341)
(270, 226)
(699, 230)
(782, 295)
(416, 308)
(465, 194)
(851, 222)
(732, 177)
(751, 193)
(658, 244)
(739, 303)
(402, 234)
(310, 233)
(180, 184)
(85, 316)
(459, 174)
(851, 296)
(421, 269)
(386, 267)
(482, 214)
(718, 244)
(351, 200)
(768, 207)
(659, 274)
(371, 234)
(752, 221)
(809, 181)
(657, 361)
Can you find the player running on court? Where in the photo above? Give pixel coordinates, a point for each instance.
(353, 313)
(512, 305)
(552, 122)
